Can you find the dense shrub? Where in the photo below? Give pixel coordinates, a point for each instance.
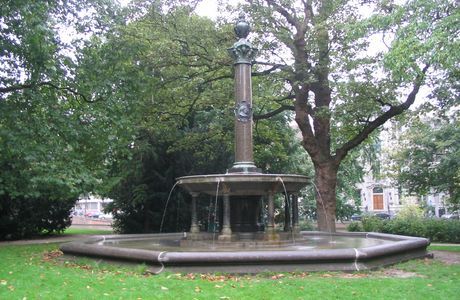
(410, 211)
(26, 217)
(306, 225)
(412, 226)
(437, 230)
(355, 227)
(372, 224)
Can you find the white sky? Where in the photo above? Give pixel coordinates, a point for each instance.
(207, 8)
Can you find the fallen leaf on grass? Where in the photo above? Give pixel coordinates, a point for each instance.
(197, 289)
(278, 276)
(51, 255)
(164, 288)
(3, 282)
(218, 286)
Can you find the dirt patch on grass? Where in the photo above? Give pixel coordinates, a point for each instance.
(447, 257)
(395, 273)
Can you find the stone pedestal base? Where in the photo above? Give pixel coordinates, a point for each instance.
(225, 237)
(194, 236)
(296, 229)
(244, 169)
(271, 234)
(194, 229)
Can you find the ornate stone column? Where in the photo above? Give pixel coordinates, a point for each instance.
(243, 53)
(270, 230)
(194, 228)
(226, 233)
(287, 214)
(295, 213)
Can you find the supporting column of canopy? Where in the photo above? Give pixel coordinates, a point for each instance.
(194, 228)
(291, 212)
(226, 233)
(295, 213)
(228, 224)
(287, 214)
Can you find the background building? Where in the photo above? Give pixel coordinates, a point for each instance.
(92, 206)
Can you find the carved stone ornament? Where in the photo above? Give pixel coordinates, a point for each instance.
(242, 52)
(243, 111)
(242, 28)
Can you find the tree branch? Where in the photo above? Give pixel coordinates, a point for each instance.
(279, 110)
(270, 70)
(289, 18)
(20, 87)
(380, 120)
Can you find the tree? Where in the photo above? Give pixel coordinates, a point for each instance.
(50, 146)
(170, 74)
(340, 88)
(429, 160)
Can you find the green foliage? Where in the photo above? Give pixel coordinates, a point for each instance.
(372, 224)
(429, 158)
(355, 227)
(306, 225)
(145, 180)
(25, 217)
(437, 230)
(410, 211)
(406, 226)
(343, 84)
(52, 147)
(171, 74)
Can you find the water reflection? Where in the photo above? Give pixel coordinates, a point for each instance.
(304, 243)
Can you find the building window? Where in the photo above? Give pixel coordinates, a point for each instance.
(378, 190)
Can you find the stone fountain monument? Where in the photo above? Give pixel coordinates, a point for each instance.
(244, 187)
(244, 244)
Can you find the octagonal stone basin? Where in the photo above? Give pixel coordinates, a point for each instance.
(308, 251)
(243, 184)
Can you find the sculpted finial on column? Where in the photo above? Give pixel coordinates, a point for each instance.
(242, 51)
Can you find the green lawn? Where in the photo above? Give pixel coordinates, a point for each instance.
(445, 248)
(32, 272)
(72, 231)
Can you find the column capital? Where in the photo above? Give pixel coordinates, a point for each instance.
(225, 189)
(242, 51)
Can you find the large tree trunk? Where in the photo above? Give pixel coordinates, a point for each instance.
(325, 185)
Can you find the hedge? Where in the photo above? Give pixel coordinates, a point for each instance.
(437, 230)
